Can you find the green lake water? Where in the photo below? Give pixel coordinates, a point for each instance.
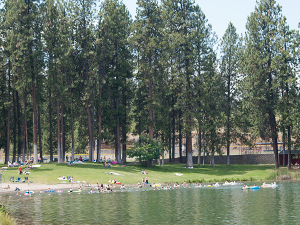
(222, 205)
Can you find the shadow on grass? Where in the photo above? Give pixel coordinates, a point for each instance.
(219, 170)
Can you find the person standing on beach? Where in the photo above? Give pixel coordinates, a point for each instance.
(20, 170)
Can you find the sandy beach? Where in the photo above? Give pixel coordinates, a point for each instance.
(38, 187)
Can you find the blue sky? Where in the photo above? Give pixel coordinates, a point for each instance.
(220, 12)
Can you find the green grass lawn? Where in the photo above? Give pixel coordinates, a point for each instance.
(97, 173)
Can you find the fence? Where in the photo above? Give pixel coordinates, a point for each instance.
(108, 153)
(234, 159)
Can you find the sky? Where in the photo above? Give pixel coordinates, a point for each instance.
(220, 12)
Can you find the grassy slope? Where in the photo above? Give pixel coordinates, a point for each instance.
(96, 173)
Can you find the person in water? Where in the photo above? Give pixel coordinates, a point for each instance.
(71, 189)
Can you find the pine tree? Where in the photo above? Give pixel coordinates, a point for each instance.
(22, 22)
(179, 16)
(286, 62)
(114, 27)
(260, 69)
(147, 33)
(203, 40)
(83, 24)
(212, 94)
(230, 46)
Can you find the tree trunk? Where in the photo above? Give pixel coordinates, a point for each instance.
(62, 134)
(35, 154)
(289, 148)
(93, 122)
(170, 139)
(19, 126)
(26, 131)
(150, 98)
(203, 160)
(283, 146)
(187, 51)
(86, 71)
(228, 111)
(99, 131)
(8, 119)
(228, 141)
(24, 142)
(189, 150)
(173, 130)
(90, 132)
(24, 127)
(15, 128)
(213, 156)
(274, 138)
(124, 130)
(40, 133)
(50, 127)
(100, 109)
(199, 150)
(58, 132)
(117, 141)
(73, 153)
(180, 137)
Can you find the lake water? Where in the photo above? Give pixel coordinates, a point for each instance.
(206, 205)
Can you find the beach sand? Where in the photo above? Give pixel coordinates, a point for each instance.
(36, 187)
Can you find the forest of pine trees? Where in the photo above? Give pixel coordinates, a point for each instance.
(76, 72)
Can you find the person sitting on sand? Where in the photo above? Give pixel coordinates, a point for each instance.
(17, 189)
(122, 187)
(71, 189)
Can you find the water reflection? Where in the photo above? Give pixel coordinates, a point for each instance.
(222, 205)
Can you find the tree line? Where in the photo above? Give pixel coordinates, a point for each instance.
(76, 74)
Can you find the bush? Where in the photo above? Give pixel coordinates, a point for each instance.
(146, 150)
(6, 219)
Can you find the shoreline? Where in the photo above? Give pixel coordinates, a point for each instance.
(39, 187)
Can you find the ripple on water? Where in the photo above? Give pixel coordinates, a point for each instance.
(223, 205)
